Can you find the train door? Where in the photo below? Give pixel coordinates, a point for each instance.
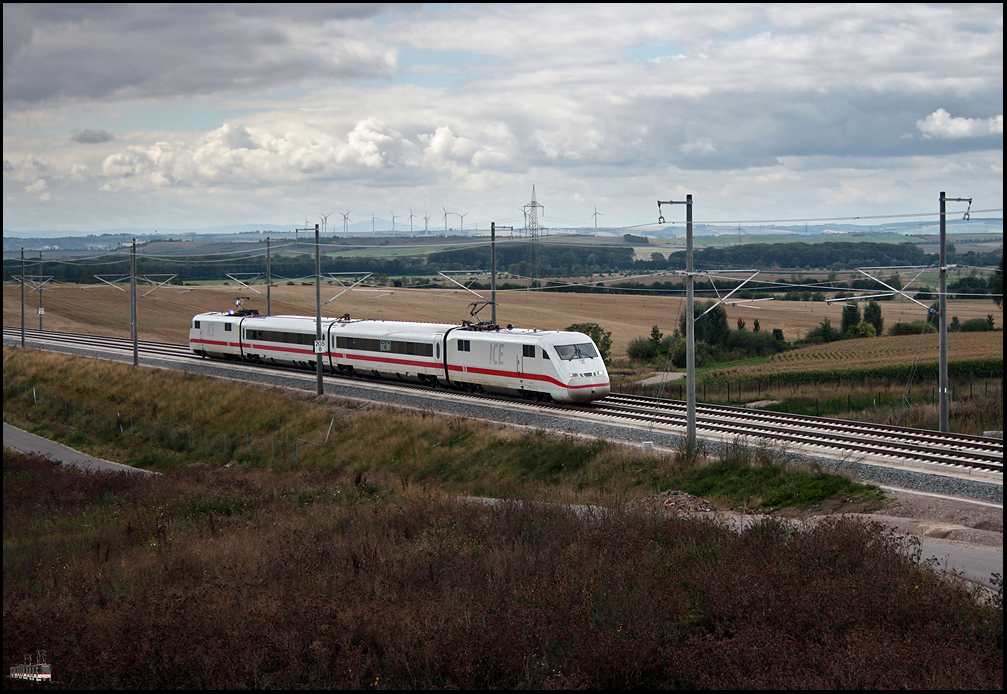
(527, 363)
(440, 344)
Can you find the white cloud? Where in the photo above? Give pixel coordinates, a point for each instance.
(445, 145)
(468, 106)
(79, 172)
(701, 147)
(940, 124)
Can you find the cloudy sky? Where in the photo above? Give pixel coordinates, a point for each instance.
(186, 116)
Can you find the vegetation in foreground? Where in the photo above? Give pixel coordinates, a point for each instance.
(222, 578)
(351, 564)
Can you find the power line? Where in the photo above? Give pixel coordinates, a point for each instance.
(836, 219)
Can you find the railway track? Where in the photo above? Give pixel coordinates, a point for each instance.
(837, 438)
(866, 438)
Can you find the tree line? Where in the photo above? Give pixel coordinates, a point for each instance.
(538, 261)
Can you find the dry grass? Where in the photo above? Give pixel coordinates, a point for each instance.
(165, 313)
(163, 420)
(250, 578)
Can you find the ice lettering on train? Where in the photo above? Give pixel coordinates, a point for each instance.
(496, 354)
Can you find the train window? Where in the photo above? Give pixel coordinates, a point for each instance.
(545, 355)
(195, 324)
(364, 344)
(529, 350)
(227, 327)
(438, 350)
(464, 345)
(581, 351)
(277, 336)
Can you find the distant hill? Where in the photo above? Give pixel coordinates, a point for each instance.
(919, 232)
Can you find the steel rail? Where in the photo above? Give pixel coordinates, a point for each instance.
(901, 434)
(849, 442)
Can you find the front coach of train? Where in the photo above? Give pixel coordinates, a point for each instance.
(581, 368)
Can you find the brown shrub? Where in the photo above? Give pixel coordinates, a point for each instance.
(229, 578)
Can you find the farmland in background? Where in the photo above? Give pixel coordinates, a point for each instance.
(868, 353)
(165, 313)
(882, 363)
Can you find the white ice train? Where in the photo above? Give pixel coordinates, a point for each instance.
(529, 363)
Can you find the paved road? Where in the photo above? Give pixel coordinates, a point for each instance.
(21, 440)
(977, 563)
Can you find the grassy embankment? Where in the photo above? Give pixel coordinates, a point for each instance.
(355, 566)
(163, 421)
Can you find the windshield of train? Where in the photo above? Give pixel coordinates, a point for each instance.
(582, 351)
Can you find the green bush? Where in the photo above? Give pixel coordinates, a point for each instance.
(641, 349)
(712, 327)
(702, 354)
(912, 328)
(977, 325)
(872, 314)
(823, 333)
(862, 329)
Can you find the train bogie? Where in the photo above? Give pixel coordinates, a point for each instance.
(543, 364)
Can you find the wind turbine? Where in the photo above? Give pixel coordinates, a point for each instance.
(446, 213)
(346, 223)
(461, 218)
(393, 221)
(411, 215)
(372, 224)
(325, 221)
(596, 215)
(426, 221)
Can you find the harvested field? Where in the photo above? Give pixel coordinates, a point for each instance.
(164, 314)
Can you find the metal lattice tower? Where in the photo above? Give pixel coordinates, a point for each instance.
(532, 227)
(533, 230)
